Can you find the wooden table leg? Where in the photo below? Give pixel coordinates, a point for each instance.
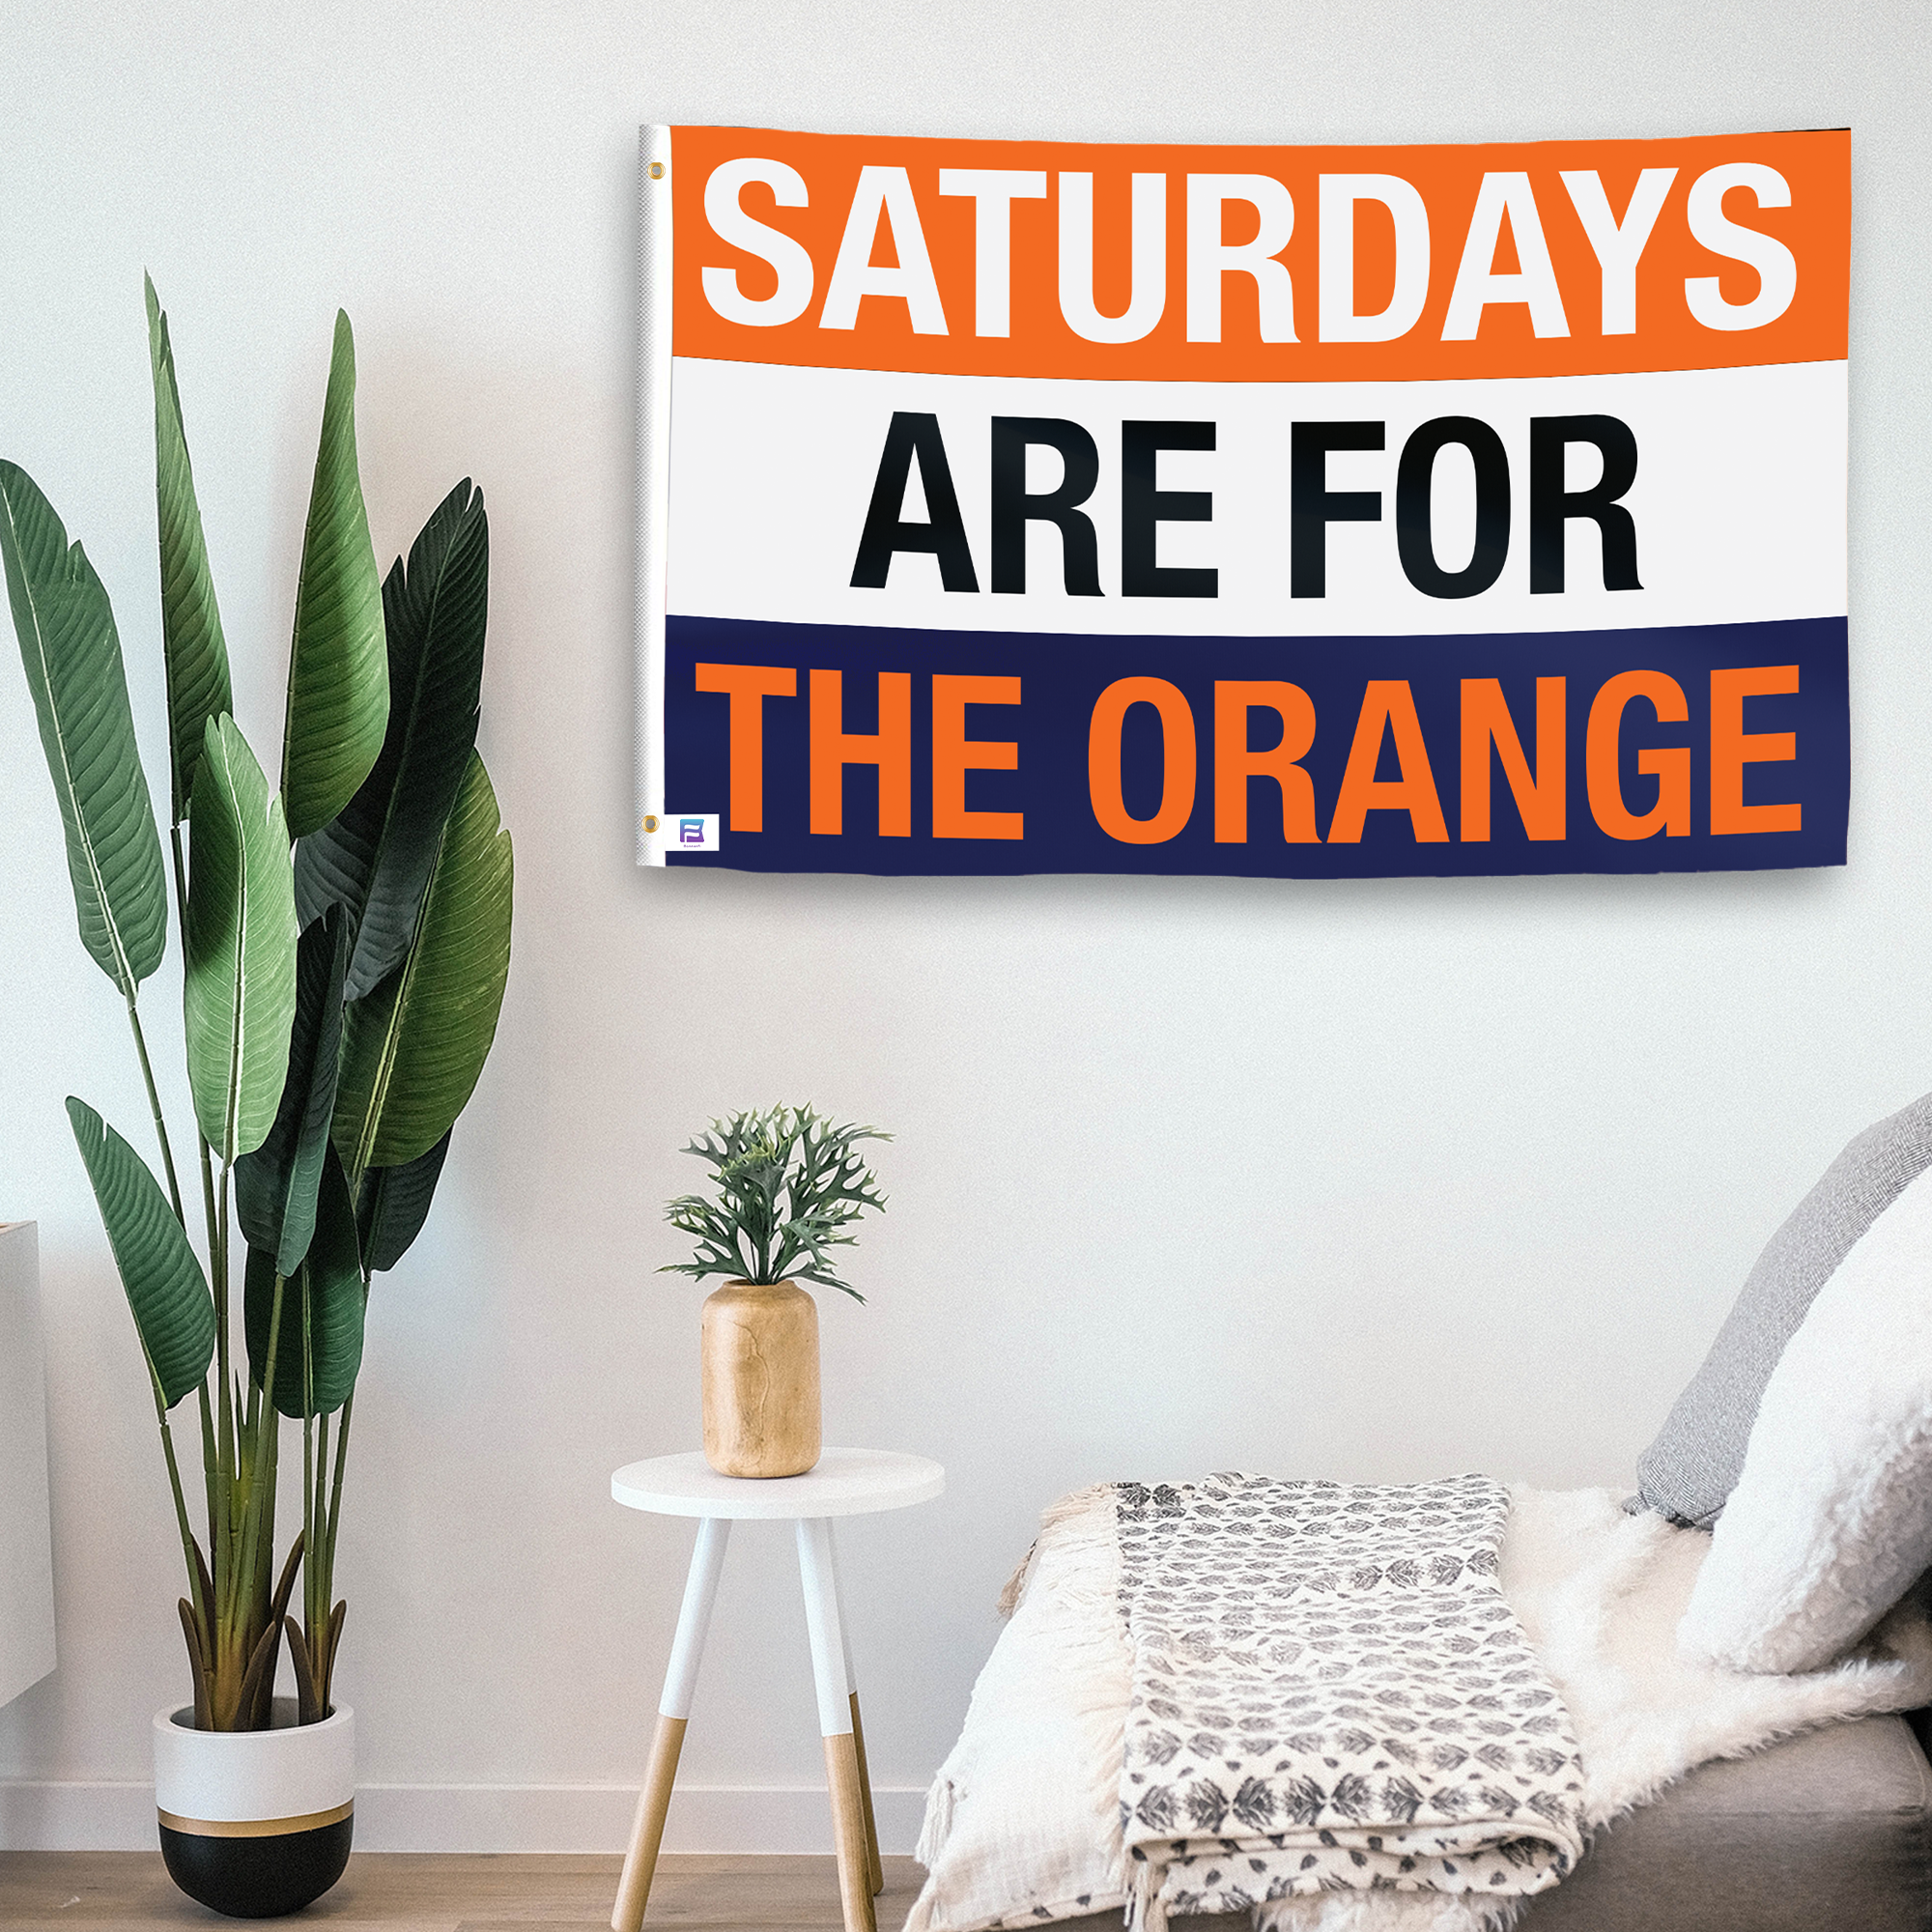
(700, 1591)
(641, 1860)
(818, 1580)
(877, 1863)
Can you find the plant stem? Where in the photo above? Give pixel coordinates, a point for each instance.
(154, 1107)
(211, 1482)
(332, 1523)
(308, 1526)
(211, 1460)
(308, 1471)
(322, 1466)
(225, 1453)
(321, 1475)
(200, 1608)
(334, 1517)
(208, 1213)
(220, 1495)
(261, 1488)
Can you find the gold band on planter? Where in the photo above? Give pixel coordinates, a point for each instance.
(255, 1828)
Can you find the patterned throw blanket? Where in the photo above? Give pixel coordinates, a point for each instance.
(1329, 1692)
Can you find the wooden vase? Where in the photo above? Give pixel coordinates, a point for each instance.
(760, 1351)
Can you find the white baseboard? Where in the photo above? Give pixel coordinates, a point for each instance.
(100, 1817)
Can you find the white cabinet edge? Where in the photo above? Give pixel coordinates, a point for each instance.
(26, 1542)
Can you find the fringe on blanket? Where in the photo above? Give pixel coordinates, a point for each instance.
(938, 1826)
(1055, 1516)
(1377, 1911)
(1145, 1910)
(1388, 1912)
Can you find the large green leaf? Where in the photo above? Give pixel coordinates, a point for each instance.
(275, 1185)
(325, 1294)
(72, 656)
(240, 986)
(192, 646)
(376, 857)
(394, 1203)
(173, 1314)
(338, 667)
(412, 1050)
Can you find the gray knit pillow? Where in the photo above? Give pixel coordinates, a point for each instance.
(1689, 1472)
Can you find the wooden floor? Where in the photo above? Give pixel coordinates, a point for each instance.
(102, 1891)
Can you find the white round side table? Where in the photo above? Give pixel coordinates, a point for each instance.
(846, 1482)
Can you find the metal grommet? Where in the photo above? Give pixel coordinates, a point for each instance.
(650, 821)
(657, 171)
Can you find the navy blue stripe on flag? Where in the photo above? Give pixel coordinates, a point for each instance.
(1755, 775)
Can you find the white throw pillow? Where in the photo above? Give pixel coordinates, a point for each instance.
(1831, 1522)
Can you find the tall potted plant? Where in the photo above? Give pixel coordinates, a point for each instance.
(346, 939)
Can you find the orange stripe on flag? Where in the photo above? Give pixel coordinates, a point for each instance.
(1252, 264)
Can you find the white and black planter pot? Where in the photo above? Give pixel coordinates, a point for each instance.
(256, 1824)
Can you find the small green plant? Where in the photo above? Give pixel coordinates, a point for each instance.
(789, 1188)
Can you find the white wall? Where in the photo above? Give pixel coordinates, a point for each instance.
(1371, 1181)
